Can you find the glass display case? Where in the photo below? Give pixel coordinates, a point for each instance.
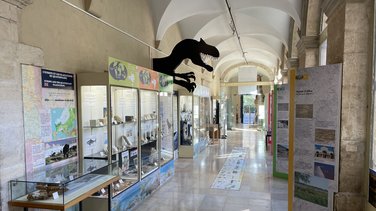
(205, 116)
(196, 121)
(149, 131)
(94, 121)
(186, 120)
(118, 186)
(119, 122)
(62, 187)
(124, 132)
(167, 130)
(175, 115)
(189, 125)
(109, 122)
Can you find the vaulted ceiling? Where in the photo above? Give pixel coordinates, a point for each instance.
(262, 27)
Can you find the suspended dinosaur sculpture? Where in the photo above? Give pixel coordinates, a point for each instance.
(196, 51)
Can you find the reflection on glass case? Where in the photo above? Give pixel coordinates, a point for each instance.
(122, 183)
(62, 187)
(196, 120)
(189, 125)
(205, 117)
(149, 131)
(186, 120)
(165, 115)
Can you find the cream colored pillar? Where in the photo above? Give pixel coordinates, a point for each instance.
(308, 45)
(292, 53)
(12, 54)
(350, 42)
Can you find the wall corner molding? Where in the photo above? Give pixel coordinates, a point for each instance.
(307, 42)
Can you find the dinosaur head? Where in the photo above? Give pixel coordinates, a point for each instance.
(207, 52)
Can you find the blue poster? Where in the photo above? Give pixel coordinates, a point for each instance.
(57, 80)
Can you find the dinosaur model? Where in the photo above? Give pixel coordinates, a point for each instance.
(196, 51)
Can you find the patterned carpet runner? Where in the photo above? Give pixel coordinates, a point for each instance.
(231, 174)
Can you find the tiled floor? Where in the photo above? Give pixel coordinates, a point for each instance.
(190, 188)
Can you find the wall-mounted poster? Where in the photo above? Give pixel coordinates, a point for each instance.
(148, 78)
(50, 117)
(316, 136)
(122, 73)
(270, 110)
(166, 83)
(281, 130)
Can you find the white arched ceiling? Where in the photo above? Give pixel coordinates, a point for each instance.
(279, 21)
(254, 26)
(250, 26)
(194, 23)
(178, 10)
(252, 56)
(231, 44)
(290, 7)
(262, 25)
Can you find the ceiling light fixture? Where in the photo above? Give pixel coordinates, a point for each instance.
(234, 29)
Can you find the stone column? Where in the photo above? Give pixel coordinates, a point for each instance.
(308, 48)
(12, 54)
(350, 42)
(308, 45)
(292, 53)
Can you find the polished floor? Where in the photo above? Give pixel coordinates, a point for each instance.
(189, 189)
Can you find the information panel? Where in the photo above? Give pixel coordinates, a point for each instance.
(281, 128)
(123, 73)
(50, 117)
(316, 136)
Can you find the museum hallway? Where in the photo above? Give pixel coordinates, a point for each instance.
(190, 188)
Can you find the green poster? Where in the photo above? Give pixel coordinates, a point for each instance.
(122, 73)
(166, 83)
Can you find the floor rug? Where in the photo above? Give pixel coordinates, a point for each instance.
(231, 174)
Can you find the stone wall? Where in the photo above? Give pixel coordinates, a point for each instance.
(350, 43)
(12, 54)
(75, 42)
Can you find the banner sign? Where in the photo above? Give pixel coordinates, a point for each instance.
(50, 118)
(122, 73)
(316, 137)
(148, 78)
(57, 80)
(281, 128)
(166, 83)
